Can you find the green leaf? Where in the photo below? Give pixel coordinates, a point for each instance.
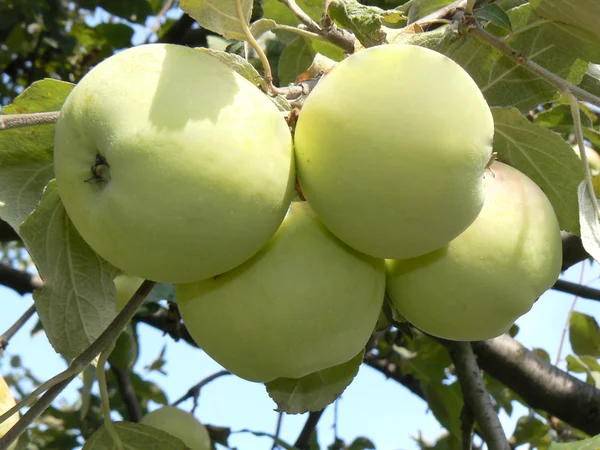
(501, 79)
(314, 391)
(544, 157)
(494, 14)
(591, 80)
(585, 364)
(294, 60)
(560, 119)
(239, 64)
(364, 21)
(446, 403)
(584, 335)
(585, 444)
(589, 222)
(126, 351)
(134, 437)
(421, 8)
(26, 154)
(78, 300)
(219, 16)
(533, 431)
(582, 14)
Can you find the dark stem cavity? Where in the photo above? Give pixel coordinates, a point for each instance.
(100, 171)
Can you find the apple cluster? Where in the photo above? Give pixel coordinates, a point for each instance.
(175, 168)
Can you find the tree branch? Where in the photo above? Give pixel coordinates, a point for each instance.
(106, 338)
(560, 83)
(127, 391)
(18, 280)
(577, 289)
(15, 327)
(194, 391)
(8, 121)
(303, 441)
(476, 396)
(540, 384)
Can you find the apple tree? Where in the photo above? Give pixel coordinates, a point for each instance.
(298, 189)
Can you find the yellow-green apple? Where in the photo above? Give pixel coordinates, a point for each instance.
(181, 425)
(7, 401)
(305, 302)
(391, 147)
(172, 166)
(480, 283)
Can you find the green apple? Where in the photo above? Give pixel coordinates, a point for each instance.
(126, 285)
(172, 166)
(304, 303)
(478, 285)
(181, 425)
(7, 401)
(391, 148)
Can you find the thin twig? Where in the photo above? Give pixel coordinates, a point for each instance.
(156, 26)
(303, 441)
(476, 396)
(442, 12)
(101, 376)
(9, 121)
(577, 289)
(127, 391)
(275, 445)
(560, 83)
(78, 364)
(15, 327)
(563, 336)
(194, 391)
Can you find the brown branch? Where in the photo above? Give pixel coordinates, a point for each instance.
(19, 280)
(559, 83)
(476, 396)
(542, 385)
(15, 327)
(127, 391)
(194, 391)
(303, 441)
(577, 289)
(8, 121)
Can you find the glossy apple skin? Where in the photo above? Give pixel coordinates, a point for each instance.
(180, 424)
(201, 163)
(304, 303)
(391, 148)
(478, 285)
(7, 401)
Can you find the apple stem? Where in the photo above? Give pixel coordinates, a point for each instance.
(256, 46)
(101, 376)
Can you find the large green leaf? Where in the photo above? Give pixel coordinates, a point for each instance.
(134, 437)
(26, 154)
(78, 300)
(544, 157)
(592, 443)
(220, 16)
(582, 14)
(295, 59)
(584, 335)
(314, 391)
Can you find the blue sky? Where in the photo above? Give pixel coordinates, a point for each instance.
(372, 406)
